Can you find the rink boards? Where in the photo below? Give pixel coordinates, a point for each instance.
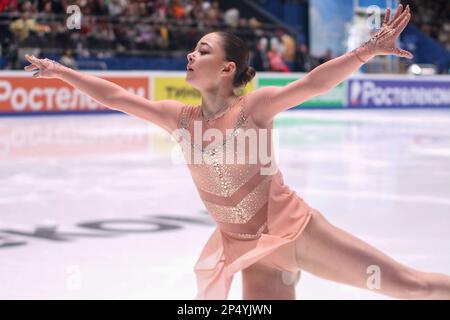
(20, 94)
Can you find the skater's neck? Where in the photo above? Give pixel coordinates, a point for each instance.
(213, 101)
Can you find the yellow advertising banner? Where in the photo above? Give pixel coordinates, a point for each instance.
(176, 88)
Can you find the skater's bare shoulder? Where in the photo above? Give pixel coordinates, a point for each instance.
(259, 104)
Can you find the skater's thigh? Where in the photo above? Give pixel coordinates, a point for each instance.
(260, 281)
(334, 254)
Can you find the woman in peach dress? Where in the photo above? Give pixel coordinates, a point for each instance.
(264, 229)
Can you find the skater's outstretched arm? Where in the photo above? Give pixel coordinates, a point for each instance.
(163, 113)
(273, 99)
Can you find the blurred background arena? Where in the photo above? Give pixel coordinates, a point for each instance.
(92, 203)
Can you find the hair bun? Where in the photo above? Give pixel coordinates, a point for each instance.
(247, 75)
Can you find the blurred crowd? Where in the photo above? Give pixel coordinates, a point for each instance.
(433, 18)
(115, 27)
(281, 53)
(167, 28)
(110, 25)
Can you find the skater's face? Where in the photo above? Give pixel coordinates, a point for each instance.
(207, 67)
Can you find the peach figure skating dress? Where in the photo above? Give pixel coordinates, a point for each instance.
(258, 217)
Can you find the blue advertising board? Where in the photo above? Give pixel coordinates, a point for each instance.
(398, 93)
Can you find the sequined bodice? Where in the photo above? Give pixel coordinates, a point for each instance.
(229, 181)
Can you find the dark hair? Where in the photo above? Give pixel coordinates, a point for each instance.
(237, 51)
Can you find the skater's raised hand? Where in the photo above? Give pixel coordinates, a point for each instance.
(329, 74)
(45, 68)
(384, 41)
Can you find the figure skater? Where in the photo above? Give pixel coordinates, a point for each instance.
(264, 229)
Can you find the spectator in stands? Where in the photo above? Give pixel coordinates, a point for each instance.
(104, 34)
(8, 5)
(213, 15)
(100, 7)
(274, 55)
(23, 26)
(163, 37)
(231, 17)
(50, 6)
(303, 59)
(68, 60)
(11, 54)
(288, 43)
(116, 7)
(178, 9)
(132, 9)
(161, 12)
(254, 23)
(260, 61)
(205, 5)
